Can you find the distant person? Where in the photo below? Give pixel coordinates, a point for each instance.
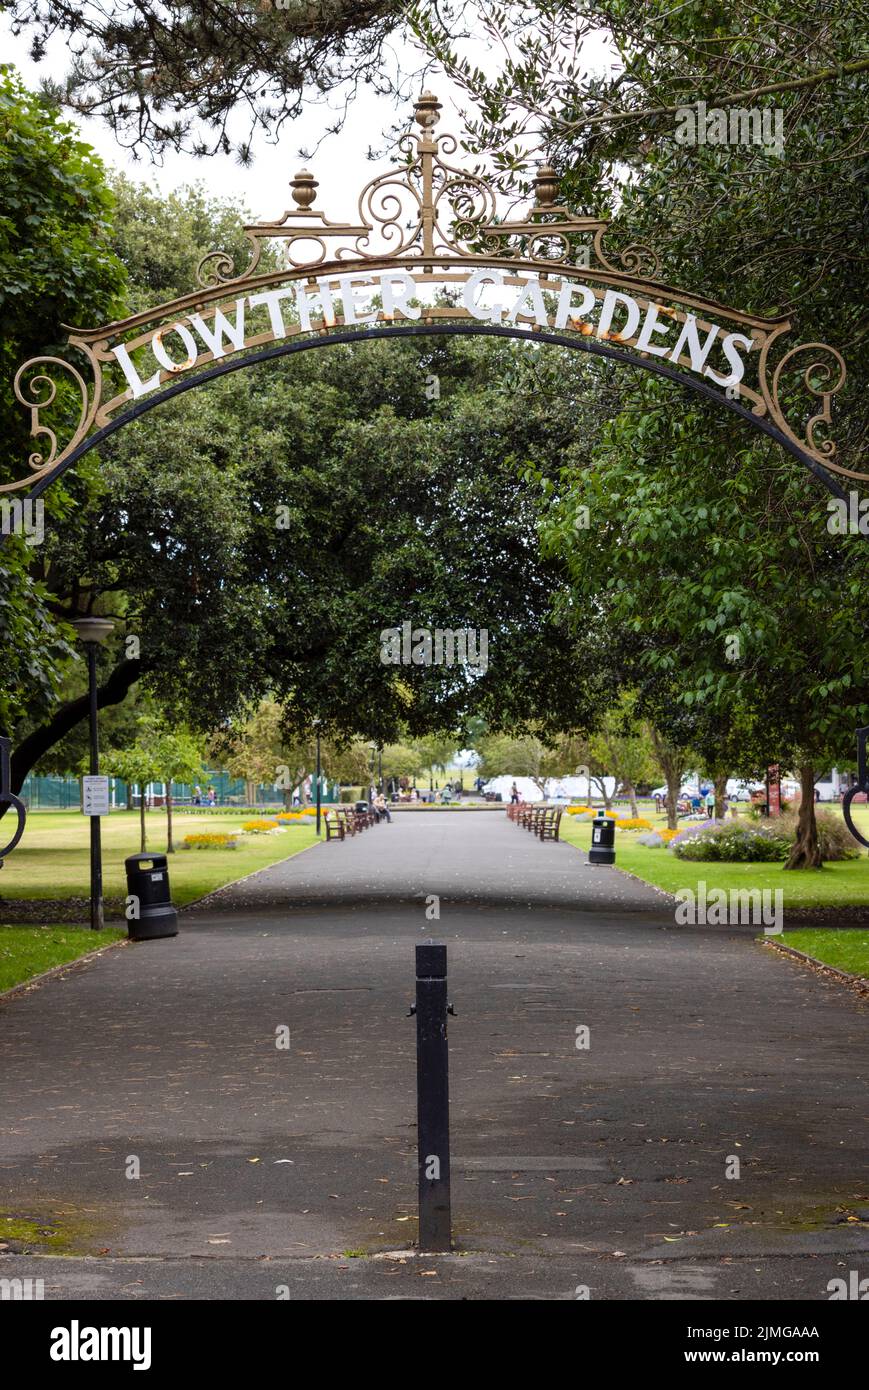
(710, 803)
(212, 796)
(197, 796)
(381, 808)
(514, 794)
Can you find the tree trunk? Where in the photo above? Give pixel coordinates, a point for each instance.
(674, 786)
(144, 843)
(170, 846)
(720, 794)
(631, 794)
(806, 853)
(600, 783)
(672, 763)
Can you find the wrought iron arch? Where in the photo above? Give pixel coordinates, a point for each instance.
(178, 388)
(429, 255)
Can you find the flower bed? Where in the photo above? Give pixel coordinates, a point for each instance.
(732, 843)
(259, 827)
(209, 840)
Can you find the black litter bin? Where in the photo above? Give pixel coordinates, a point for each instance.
(362, 806)
(148, 881)
(603, 841)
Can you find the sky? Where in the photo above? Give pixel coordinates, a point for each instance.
(340, 163)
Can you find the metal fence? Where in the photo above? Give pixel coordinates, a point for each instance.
(64, 793)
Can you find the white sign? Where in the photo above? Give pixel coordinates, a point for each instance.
(95, 796)
(659, 330)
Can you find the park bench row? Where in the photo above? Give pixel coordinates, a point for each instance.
(341, 821)
(542, 821)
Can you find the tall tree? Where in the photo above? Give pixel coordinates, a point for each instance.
(56, 267)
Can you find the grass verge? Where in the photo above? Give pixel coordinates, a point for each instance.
(52, 861)
(844, 884)
(844, 950)
(28, 951)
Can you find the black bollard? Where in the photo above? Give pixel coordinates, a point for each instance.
(433, 1097)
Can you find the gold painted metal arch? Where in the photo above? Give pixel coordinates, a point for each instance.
(432, 227)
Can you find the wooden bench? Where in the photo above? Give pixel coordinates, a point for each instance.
(515, 809)
(334, 825)
(347, 819)
(549, 824)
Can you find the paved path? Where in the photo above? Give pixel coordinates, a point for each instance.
(603, 1167)
(462, 856)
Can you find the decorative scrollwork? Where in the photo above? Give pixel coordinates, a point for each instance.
(832, 372)
(37, 393)
(635, 259)
(463, 205)
(550, 246)
(218, 267)
(384, 203)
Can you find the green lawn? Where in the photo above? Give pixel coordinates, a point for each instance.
(27, 951)
(845, 950)
(52, 860)
(836, 885)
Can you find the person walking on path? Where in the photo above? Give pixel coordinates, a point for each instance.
(514, 794)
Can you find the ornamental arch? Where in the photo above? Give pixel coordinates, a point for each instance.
(428, 255)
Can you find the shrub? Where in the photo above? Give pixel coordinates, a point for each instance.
(210, 840)
(733, 844)
(653, 840)
(690, 832)
(836, 841)
(259, 827)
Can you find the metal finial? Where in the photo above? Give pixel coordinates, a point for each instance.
(304, 188)
(427, 111)
(546, 186)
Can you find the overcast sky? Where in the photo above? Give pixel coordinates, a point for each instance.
(340, 164)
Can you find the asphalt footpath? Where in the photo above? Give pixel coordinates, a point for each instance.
(638, 1110)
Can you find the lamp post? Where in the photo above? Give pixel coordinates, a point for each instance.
(317, 723)
(373, 747)
(92, 632)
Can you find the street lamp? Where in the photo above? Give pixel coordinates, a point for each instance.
(92, 632)
(317, 723)
(373, 747)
